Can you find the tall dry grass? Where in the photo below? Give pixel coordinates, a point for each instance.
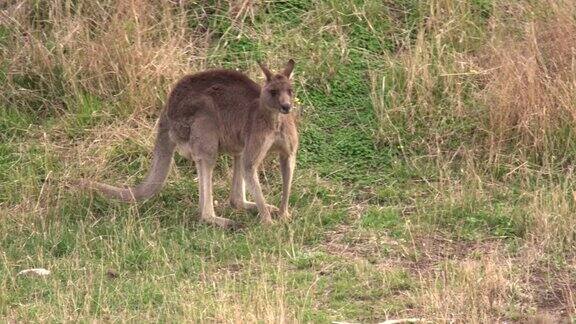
(530, 92)
(498, 87)
(124, 52)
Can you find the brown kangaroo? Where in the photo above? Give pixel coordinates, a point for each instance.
(223, 111)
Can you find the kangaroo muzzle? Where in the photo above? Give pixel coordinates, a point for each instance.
(285, 108)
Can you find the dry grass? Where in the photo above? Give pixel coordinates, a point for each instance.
(471, 291)
(510, 87)
(530, 90)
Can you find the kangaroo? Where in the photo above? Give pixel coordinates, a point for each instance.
(223, 111)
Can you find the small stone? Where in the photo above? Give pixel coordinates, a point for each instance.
(112, 274)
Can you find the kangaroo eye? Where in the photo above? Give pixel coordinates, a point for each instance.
(274, 92)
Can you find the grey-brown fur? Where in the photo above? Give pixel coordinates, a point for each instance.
(223, 111)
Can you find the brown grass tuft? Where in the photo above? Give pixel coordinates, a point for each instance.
(530, 90)
(471, 291)
(125, 52)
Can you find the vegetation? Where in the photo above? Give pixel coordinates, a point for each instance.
(435, 178)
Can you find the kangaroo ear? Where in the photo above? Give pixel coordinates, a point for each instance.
(288, 68)
(267, 72)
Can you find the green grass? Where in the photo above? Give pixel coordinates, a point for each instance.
(396, 212)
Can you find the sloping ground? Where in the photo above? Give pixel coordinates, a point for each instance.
(434, 181)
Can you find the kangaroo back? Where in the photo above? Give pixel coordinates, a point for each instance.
(161, 162)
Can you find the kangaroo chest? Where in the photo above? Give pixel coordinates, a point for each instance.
(282, 141)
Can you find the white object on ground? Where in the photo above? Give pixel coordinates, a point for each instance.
(34, 272)
(404, 320)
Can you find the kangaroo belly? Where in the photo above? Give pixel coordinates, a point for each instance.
(184, 151)
(231, 142)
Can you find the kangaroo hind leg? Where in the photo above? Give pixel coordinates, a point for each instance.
(204, 152)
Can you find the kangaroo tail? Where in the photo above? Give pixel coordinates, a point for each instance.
(161, 162)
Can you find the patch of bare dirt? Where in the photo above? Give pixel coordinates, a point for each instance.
(340, 243)
(553, 288)
(420, 254)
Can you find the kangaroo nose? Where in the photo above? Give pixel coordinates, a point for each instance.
(285, 107)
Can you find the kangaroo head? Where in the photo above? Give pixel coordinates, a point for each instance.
(277, 91)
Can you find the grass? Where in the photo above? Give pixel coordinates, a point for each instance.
(435, 176)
